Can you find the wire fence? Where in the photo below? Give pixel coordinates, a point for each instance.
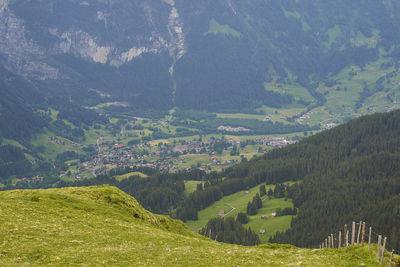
(357, 233)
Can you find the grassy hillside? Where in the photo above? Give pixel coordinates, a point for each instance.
(235, 203)
(104, 226)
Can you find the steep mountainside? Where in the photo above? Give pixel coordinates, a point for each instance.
(17, 119)
(215, 55)
(104, 226)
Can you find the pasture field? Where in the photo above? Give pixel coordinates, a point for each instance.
(270, 225)
(190, 186)
(193, 160)
(127, 175)
(11, 142)
(282, 114)
(235, 203)
(295, 90)
(50, 149)
(240, 116)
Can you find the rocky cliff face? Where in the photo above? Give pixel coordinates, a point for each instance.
(22, 56)
(27, 55)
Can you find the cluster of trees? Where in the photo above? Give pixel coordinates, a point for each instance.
(80, 116)
(263, 190)
(235, 151)
(13, 162)
(279, 191)
(230, 231)
(254, 205)
(242, 218)
(60, 128)
(198, 200)
(286, 211)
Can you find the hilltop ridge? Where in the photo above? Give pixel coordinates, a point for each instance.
(103, 225)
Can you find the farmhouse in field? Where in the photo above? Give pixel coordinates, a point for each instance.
(221, 212)
(273, 215)
(262, 231)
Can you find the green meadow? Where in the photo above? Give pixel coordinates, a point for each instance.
(130, 174)
(235, 203)
(102, 226)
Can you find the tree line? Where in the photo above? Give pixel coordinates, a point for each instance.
(230, 231)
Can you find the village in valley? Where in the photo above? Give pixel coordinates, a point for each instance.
(211, 154)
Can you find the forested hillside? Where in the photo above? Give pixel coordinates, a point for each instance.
(17, 119)
(348, 173)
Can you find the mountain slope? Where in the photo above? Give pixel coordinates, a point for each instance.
(348, 173)
(17, 119)
(214, 55)
(104, 226)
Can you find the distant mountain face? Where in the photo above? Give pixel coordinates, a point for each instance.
(210, 54)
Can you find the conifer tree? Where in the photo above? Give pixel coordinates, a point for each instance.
(262, 190)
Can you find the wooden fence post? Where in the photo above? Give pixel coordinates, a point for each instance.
(347, 238)
(333, 241)
(329, 242)
(379, 246)
(383, 250)
(340, 239)
(353, 233)
(391, 257)
(363, 235)
(359, 232)
(344, 235)
(369, 238)
(326, 243)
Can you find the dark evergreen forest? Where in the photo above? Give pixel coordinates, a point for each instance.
(230, 231)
